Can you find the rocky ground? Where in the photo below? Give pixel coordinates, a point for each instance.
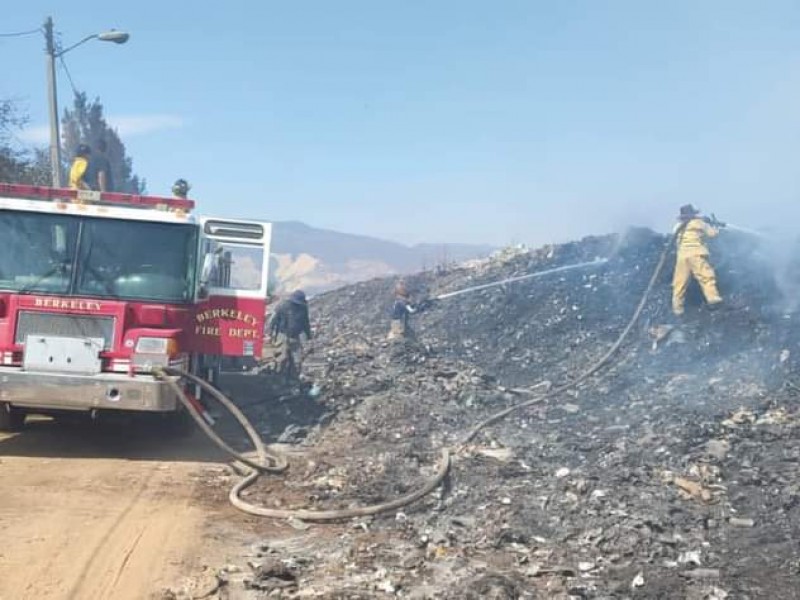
(671, 474)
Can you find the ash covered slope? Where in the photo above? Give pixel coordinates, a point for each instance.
(523, 331)
(673, 474)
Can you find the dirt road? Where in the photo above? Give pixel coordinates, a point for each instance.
(96, 514)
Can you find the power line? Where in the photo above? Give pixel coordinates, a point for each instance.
(21, 33)
(69, 76)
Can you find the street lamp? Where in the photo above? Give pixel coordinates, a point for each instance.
(118, 37)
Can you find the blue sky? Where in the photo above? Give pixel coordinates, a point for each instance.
(500, 122)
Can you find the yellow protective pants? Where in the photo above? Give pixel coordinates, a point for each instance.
(697, 266)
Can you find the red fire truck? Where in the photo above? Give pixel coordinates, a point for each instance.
(98, 289)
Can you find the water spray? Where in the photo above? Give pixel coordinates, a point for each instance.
(476, 288)
(744, 230)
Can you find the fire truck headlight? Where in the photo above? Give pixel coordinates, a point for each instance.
(152, 345)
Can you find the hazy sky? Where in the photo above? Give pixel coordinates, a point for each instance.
(506, 121)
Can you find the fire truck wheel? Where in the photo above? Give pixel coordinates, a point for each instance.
(11, 419)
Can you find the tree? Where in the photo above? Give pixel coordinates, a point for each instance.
(10, 158)
(85, 124)
(16, 165)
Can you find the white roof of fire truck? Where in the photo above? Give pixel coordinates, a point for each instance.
(95, 204)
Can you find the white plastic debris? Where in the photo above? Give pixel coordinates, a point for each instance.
(691, 557)
(717, 594)
(638, 581)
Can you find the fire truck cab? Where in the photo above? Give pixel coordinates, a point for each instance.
(97, 289)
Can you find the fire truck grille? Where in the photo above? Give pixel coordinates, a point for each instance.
(39, 323)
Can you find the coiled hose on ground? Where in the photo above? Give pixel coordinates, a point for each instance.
(271, 462)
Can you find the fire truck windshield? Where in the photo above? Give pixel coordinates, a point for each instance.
(84, 256)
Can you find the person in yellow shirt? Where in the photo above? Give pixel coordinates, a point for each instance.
(79, 168)
(691, 233)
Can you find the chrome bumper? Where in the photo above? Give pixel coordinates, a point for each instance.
(82, 392)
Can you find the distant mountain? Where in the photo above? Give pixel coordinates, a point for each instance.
(321, 259)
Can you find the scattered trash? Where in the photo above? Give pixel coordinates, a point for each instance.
(638, 581)
(621, 487)
(691, 557)
(562, 472)
(741, 522)
(740, 417)
(716, 593)
(703, 574)
(272, 574)
(693, 490)
(500, 454)
(298, 524)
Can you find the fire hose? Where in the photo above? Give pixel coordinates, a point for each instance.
(271, 462)
(594, 368)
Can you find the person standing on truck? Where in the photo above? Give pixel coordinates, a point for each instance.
(99, 171)
(79, 169)
(180, 189)
(288, 323)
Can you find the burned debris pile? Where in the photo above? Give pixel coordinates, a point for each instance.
(673, 473)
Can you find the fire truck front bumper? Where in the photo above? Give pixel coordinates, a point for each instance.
(83, 392)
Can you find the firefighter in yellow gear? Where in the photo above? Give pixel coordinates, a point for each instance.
(691, 233)
(79, 168)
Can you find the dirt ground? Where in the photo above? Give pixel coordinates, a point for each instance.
(104, 513)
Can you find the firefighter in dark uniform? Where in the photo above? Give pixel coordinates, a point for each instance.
(401, 310)
(289, 322)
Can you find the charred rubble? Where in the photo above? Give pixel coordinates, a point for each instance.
(673, 473)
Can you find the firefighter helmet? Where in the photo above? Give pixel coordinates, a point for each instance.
(181, 188)
(298, 297)
(688, 211)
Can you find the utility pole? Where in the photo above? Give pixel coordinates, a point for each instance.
(118, 37)
(55, 142)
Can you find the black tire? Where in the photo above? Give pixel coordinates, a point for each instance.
(11, 419)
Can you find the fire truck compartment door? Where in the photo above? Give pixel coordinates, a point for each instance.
(233, 272)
